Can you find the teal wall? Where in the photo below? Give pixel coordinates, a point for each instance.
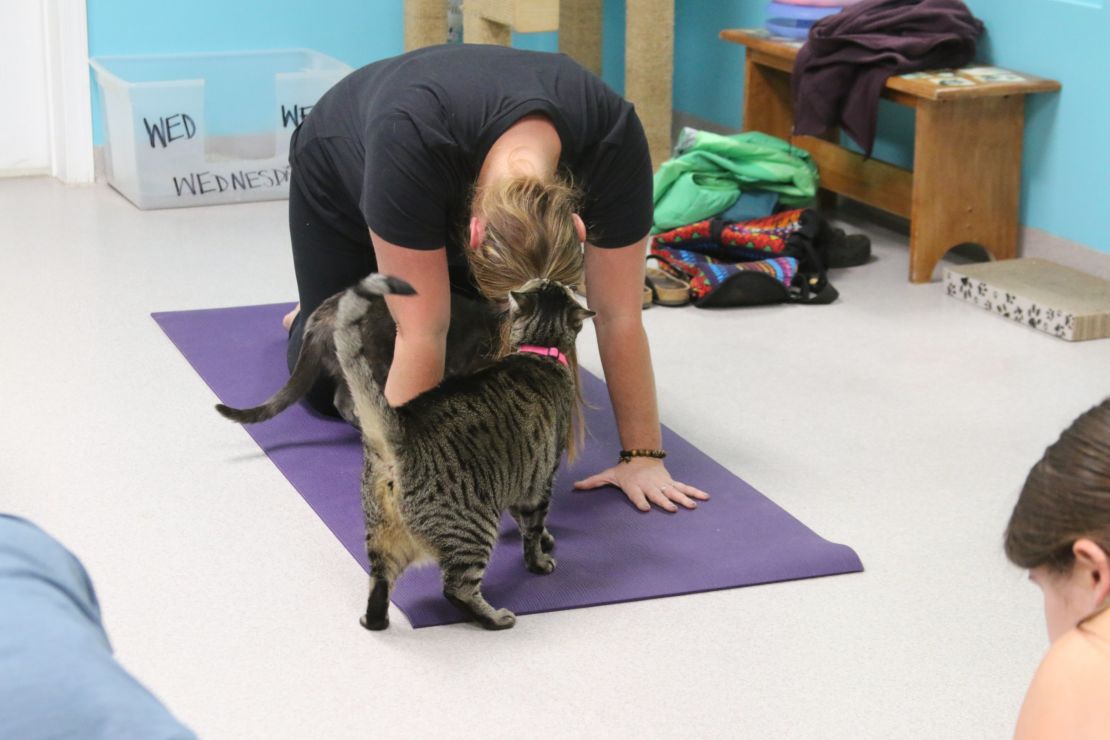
(1066, 153)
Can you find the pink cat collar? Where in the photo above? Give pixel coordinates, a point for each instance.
(545, 351)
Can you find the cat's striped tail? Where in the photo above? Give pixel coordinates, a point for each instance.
(314, 346)
(377, 419)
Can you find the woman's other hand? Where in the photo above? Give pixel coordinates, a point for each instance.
(645, 481)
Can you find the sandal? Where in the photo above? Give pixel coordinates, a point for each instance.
(667, 289)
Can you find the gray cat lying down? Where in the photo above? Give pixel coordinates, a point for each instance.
(471, 340)
(440, 470)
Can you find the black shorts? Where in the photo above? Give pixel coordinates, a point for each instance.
(331, 252)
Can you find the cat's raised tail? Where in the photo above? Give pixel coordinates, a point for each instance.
(377, 419)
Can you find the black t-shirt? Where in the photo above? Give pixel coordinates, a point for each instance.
(398, 144)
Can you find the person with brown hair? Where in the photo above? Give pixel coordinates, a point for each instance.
(474, 169)
(1060, 532)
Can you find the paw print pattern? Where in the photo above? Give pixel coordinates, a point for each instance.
(1010, 306)
(1035, 316)
(965, 287)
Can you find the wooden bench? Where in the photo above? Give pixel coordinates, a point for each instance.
(965, 186)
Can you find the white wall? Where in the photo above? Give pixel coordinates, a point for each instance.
(24, 115)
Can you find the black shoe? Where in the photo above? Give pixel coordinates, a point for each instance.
(838, 249)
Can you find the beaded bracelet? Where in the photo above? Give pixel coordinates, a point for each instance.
(627, 455)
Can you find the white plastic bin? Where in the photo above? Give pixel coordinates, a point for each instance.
(199, 129)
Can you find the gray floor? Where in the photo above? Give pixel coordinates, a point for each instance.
(898, 421)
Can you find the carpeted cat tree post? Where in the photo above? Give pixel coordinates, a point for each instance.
(580, 32)
(648, 68)
(493, 21)
(425, 23)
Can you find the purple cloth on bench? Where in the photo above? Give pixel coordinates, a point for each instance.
(607, 552)
(840, 72)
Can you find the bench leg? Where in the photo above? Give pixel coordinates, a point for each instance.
(966, 179)
(769, 107)
(767, 103)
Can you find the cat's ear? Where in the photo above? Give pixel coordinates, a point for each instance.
(581, 313)
(518, 299)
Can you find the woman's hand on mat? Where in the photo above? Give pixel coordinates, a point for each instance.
(646, 481)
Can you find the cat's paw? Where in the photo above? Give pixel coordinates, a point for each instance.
(547, 541)
(502, 619)
(376, 624)
(541, 565)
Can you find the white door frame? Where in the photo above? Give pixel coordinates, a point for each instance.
(66, 28)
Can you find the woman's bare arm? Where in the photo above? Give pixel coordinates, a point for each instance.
(422, 319)
(614, 283)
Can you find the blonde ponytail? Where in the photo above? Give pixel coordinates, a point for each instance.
(530, 233)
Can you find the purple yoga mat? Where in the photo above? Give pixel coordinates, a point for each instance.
(607, 551)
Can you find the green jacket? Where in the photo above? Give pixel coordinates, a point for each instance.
(710, 171)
